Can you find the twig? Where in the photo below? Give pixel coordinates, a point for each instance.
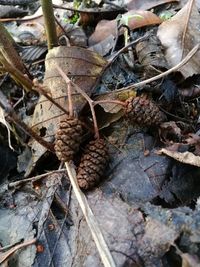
(111, 60)
(34, 179)
(175, 68)
(5, 255)
(7, 48)
(16, 74)
(14, 118)
(2, 249)
(40, 88)
(101, 245)
(89, 100)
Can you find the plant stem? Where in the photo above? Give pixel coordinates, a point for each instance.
(16, 74)
(49, 21)
(89, 100)
(7, 49)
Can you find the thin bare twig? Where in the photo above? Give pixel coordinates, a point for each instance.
(40, 88)
(175, 68)
(34, 179)
(5, 255)
(89, 100)
(111, 60)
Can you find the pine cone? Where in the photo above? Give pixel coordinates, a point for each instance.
(144, 111)
(68, 138)
(93, 163)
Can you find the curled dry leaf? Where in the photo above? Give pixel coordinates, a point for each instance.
(169, 131)
(104, 47)
(149, 53)
(191, 92)
(4, 122)
(136, 19)
(146, 4)
(81, 65)
(185, 157)
(171, 32)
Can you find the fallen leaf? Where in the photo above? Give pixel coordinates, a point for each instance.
(191, 92)
(136, 19)
(171, 32)
(104, 47)
(189, 260)
(169, 131)
(185, 157)
(146, 4)
(113, 107)
(75, 34)
(149, 52)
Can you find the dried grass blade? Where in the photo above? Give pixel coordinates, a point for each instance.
(102, 247)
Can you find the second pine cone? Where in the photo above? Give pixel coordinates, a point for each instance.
(143, 111)
(92, 165)
(68, 138)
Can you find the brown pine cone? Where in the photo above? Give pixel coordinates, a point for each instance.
(68, 138)
(93, 163)
(144, 111)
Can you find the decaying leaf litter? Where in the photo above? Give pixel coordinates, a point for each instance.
(128, 72)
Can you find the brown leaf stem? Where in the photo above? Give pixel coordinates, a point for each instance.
(7, 49)
(17, 75)
(89, 100)
(41, 89)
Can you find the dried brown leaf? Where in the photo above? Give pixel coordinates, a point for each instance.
(185, 157)
(136, 19)
(189, 260)
(169, 129)
(104, 46)
(146, 4)
(171, 33)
